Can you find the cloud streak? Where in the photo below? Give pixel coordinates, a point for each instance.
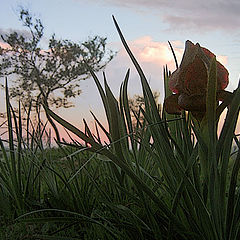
(205, 15)
(8, 31)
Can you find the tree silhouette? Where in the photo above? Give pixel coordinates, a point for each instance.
(51, 76)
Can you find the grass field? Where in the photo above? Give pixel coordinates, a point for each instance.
(159, 176)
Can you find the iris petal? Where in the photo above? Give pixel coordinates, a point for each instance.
(171, 104)
(190, 80)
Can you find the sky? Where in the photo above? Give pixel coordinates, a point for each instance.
(147, 26)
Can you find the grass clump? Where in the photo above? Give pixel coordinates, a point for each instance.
(159, 176)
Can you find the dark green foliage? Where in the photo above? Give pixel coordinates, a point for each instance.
(159, 177)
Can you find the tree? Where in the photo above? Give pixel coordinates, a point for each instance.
(137, 102)
(49, 75)
(52, 75)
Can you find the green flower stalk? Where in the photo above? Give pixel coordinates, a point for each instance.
(198, 86)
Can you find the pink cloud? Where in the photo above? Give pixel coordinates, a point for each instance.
(4, 45)
(152, 56)
(146, 50)
(222, 59)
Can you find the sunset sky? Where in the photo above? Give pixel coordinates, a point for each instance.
(147, 26)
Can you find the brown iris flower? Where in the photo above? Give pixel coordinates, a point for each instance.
(189, 82)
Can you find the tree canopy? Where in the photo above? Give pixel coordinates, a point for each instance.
(51, 74)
